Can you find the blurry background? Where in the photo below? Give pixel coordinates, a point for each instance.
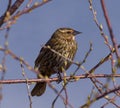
(34, 29)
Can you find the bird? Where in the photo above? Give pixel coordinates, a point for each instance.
(55, 56)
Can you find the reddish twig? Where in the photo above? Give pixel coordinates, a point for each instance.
(83, 76)
(11, 9)
(102, 34)
(15, 6)
(110, 28)
(4, 15)
(101, 96)
(101, 62)
(26, 10)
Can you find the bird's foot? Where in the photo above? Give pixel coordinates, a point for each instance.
(59, 77)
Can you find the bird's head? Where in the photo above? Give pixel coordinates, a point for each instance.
(67, 33)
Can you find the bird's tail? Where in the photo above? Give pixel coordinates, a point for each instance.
(39, 89)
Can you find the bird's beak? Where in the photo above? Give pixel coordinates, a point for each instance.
(76, 32)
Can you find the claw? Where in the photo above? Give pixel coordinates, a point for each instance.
(59, 77)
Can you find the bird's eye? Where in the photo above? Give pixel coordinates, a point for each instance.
(68, 32)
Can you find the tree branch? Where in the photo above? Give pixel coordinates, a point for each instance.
(110, 28)
(71, 78)
(100, 96)
(11, 9)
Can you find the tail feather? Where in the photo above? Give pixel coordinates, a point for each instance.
(39, 89)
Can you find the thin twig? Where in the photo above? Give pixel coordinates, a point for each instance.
(101, 62)
(84, 60)
(5, 13)
(16, 5)
(27, 84)
(101, 96)
(111, 101)
(110, 29)
(102, 34)
(58, 95)
(27, 10)
(29, 3)
(10, 9)
(77, 77)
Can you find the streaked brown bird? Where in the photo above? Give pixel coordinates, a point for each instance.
(52, 57)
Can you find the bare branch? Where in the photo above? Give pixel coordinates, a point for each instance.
(110, 29)
(75, 78)
(10, 9)
(27, 85)
(101, 96)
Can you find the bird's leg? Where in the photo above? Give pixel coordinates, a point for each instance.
(59, 77)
